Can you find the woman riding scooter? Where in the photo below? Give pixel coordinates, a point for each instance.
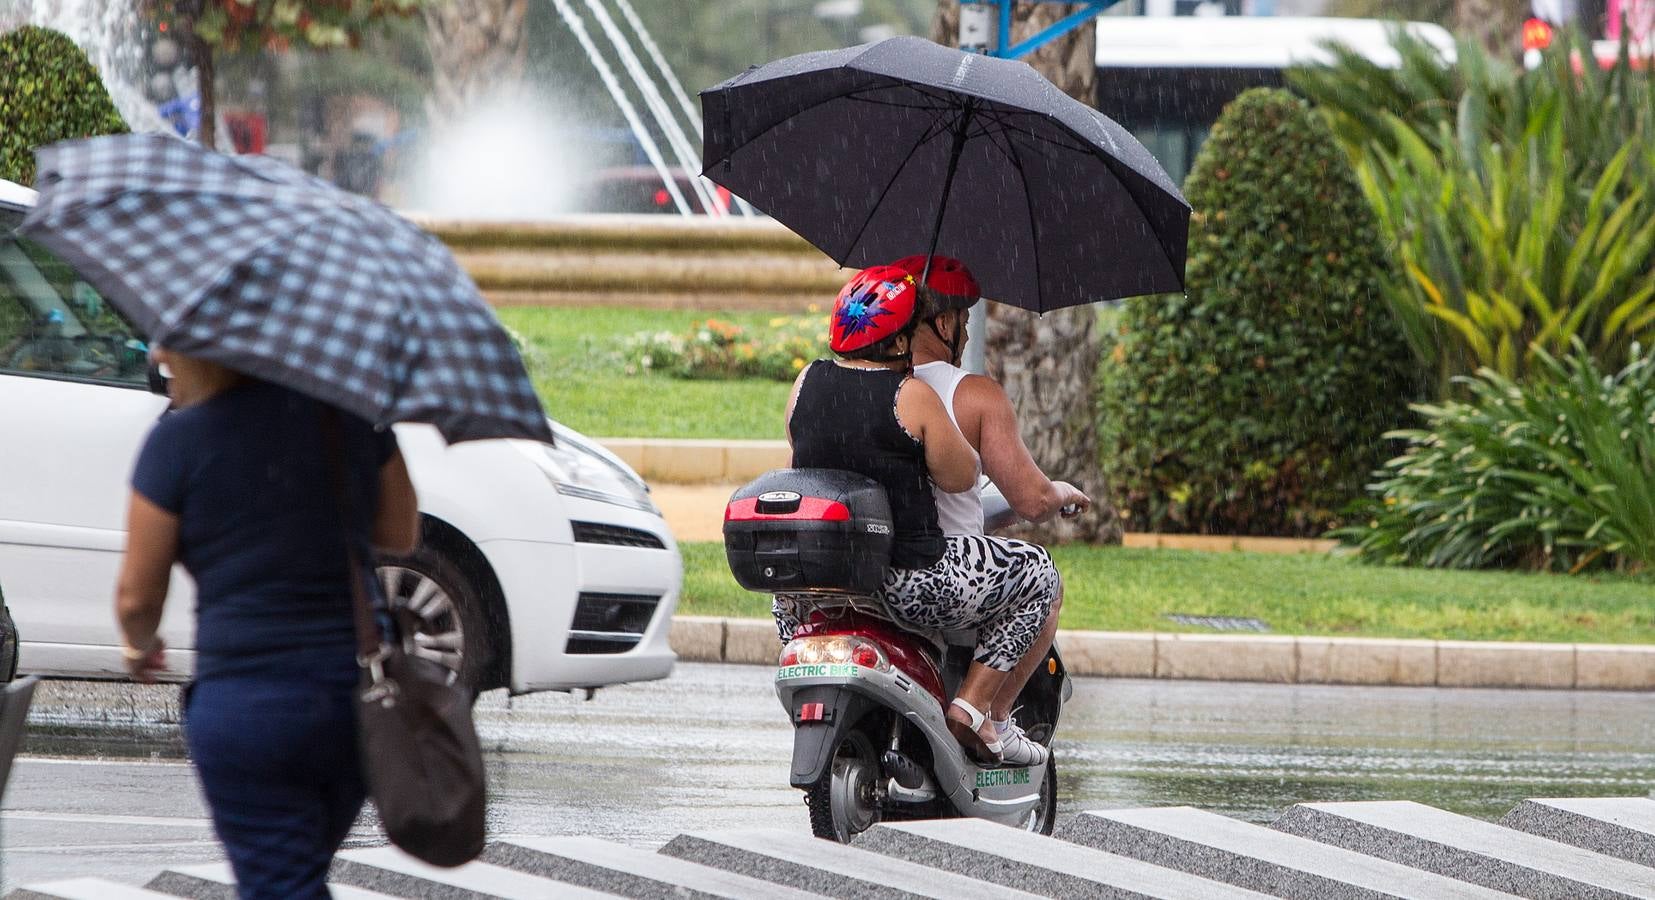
(866, 413)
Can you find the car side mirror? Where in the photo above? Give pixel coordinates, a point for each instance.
(159, 383)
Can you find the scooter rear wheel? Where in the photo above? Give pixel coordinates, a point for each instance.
(1043, 817)
(844, 802)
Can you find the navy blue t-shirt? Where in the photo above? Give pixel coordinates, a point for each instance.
(246, 473)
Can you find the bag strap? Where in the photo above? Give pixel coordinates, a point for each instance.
(368, 639)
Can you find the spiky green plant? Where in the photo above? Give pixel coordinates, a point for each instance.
(1516, 203)
(1557, 473)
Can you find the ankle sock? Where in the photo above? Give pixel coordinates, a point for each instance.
(1001, 726)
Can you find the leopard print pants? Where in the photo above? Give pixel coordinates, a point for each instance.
(1003, 588)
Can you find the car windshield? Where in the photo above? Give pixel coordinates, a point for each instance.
(53, 322)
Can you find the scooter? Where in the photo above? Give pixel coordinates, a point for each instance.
(867, 696)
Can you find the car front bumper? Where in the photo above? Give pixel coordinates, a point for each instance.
(556, 576)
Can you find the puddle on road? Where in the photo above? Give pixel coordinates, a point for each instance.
(710, 746)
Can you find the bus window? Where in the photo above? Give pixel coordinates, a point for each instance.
(1166, 79)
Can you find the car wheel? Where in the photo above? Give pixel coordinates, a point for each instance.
(440, 612)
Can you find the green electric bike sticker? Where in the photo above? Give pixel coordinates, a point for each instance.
(1001, 777)
(824, 670)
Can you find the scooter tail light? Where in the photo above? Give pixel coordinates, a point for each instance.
(834, 649)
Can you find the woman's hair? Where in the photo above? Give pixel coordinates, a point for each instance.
(933, 303)
(885, 350)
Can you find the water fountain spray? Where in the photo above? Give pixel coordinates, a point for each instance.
(688, 159)
(668, 76)
(652, 150)
(111, 34)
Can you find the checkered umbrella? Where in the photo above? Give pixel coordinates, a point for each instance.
(251, 263)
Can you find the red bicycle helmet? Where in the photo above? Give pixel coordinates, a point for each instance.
(876, 304)
(948, 277)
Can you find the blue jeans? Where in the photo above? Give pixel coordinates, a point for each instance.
(279, 765)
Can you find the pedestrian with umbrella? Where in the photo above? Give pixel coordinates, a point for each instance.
(877, 152)
(298, 322)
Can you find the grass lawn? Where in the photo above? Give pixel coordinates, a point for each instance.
(1115, 589)
(581, 376)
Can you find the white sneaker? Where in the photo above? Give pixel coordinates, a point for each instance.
(1017, 749)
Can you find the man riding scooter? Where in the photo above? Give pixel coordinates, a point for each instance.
(981, 410)
(867, 413)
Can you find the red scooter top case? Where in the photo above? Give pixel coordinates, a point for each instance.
(809, 530)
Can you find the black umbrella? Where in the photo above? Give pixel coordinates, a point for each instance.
(893, 148)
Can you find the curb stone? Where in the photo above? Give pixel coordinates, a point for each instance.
(1280, 659)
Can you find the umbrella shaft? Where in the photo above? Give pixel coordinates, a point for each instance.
(947, 187)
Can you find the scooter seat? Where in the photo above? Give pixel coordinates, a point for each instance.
(966, 637)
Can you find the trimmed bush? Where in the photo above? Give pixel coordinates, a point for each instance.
(1254, 404)
(1556, 474)
(49, 91)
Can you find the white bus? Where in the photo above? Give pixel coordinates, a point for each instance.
(1166, 78)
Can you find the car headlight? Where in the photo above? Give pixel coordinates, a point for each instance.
(579, 469)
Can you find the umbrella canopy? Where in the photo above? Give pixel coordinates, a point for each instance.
(257, 266)
(880, 151)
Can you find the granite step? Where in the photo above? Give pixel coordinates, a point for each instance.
(629, 871)
(1257, 858)
(393, 872)
(1470, 849)
(213, 881)
(1006, 856)
(798, 860)
(85, 889)
(210, 881)
(1622, 827)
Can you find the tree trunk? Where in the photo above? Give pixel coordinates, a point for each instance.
(1048, 364)
(207, 132)
(1496, 24)
(201, 54)
(476, 49)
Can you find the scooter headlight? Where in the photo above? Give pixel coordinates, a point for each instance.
(831, 649)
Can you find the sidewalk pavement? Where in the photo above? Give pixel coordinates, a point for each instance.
(1282, 659)
(695, 512)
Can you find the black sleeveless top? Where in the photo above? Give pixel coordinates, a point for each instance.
(845, 418)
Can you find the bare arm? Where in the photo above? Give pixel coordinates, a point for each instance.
(1006, 459)
(792, 399)
(952, 462)
(396, 522)
(141, 590)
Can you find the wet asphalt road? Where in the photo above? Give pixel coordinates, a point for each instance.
(103, 790)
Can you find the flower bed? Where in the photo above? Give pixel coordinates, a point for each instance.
(718, 349)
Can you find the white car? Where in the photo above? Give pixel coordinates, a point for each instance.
(540, 567)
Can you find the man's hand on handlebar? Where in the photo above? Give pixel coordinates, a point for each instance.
(1072, 501)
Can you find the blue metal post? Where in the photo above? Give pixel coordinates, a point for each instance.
(1005, 49)
(974, 360)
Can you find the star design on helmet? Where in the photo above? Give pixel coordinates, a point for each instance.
(858, 313)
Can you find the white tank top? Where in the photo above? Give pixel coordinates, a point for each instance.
(960, 513)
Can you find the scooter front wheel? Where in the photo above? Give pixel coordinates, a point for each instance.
(844, 802)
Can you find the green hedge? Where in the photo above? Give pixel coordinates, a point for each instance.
(1254, 404)
(49, 91)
